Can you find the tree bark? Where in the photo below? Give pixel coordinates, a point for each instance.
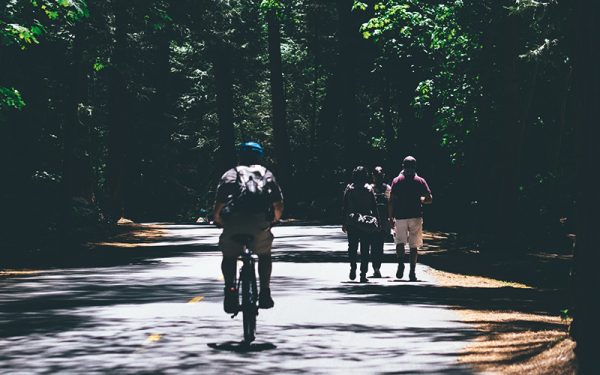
(119, 131)
(224, 88)
(78, 177)
(348, 35)
(280, 133)
(585, 328)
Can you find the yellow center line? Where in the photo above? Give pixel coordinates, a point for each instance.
(152, 338)
(196, 299)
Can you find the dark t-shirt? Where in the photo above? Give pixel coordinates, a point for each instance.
(228, 186)
(407, 191)
(359, 199)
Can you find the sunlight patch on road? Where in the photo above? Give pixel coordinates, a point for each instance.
(196, 299)
(152, 338)
(18, 272)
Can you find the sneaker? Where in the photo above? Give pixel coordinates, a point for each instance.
(352, 273)
(412, 276)
(264, 299)
(231, 303)
(363, 279)
(376, 274)
(400, 271)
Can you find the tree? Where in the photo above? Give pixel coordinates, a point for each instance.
(585, 327)
(272, 10)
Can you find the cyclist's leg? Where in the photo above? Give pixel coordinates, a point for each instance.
(230, 250)
(265, 267)
(228, 267)
(263, 241)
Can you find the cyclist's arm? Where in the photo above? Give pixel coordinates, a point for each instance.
(217, 213)
(277, 211)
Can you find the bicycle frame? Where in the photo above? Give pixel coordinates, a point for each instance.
(249, 294)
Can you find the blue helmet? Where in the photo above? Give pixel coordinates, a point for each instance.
(251, 148)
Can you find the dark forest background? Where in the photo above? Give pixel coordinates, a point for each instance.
(132, 109)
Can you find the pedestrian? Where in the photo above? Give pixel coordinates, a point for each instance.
(382, 197)
(409, 193)
(248, 202)
(360, 220)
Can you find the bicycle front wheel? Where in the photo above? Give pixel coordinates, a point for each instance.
(249, 303)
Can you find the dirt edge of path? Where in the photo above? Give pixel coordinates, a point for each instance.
(505, 348)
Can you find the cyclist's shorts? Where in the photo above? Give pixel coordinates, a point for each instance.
(261, 245)
(409, 231)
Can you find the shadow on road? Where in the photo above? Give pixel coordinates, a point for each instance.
(529, 300)
(242, 347)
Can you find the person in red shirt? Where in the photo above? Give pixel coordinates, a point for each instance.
(405, 209)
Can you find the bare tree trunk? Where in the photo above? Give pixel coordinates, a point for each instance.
(120, 130)
(224, 84)
(585, 328)
(78, 201)
(280, 133)
(348, 33)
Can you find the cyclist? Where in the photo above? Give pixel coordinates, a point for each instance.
(235, 220)
(409, 193)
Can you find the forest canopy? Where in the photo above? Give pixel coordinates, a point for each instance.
(133, 108)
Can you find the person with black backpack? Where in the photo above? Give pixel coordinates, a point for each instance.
(248, 202)
(361, 220)
(382, 197)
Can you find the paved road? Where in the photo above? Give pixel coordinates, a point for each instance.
(164, 315)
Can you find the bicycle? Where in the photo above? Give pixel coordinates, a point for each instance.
(249, 294)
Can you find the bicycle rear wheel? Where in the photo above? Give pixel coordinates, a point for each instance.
(249, 302)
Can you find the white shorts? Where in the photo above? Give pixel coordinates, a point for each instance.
(409, 231)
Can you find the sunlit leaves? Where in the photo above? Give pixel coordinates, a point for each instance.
(275, 6)
(10, 98)
(430, 39)
(23, 28)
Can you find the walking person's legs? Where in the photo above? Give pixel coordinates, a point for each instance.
(415, 240)
(400, 258)
(365, 243)
(352, 252)
(377, 252)
(400, 238)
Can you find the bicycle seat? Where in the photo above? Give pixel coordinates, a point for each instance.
(244, 239)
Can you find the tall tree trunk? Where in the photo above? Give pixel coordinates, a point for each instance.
(156, 174)
(280, 133)
(388, 126)
(348, 33)
(223, 71)
(585, 327)
(503, 168)
(78, 177)
(119, 132)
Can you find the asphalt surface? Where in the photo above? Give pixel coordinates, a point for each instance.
(163, 314)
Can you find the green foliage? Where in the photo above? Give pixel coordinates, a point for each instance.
(10, 98)
(433, 42)
(271, 5)
(23, 23)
